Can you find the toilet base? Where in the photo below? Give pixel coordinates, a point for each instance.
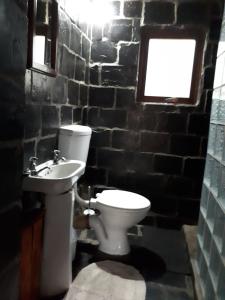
(113, 242)
(117, 211)
(118, 246)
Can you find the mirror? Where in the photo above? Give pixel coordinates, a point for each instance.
(42, 36)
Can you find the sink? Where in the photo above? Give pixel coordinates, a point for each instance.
(56, 182)
(54, 179)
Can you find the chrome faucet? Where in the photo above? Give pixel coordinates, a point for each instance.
(32, 165)
(56, 157)
(32, 170)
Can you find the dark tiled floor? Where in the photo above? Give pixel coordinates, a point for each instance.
(159, 254)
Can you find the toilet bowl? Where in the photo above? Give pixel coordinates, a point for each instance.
(118, 211)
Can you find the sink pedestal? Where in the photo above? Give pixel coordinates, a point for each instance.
(56, 275)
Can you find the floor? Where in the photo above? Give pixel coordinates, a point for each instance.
(159, 254)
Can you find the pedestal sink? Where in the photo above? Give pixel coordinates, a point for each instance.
(56, 181)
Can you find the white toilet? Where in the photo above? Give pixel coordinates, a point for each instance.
(118, 210)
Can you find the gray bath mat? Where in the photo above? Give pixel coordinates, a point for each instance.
(107, 280)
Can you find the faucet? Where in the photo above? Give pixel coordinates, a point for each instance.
(32, 170)
(56, 157)
(32, 165)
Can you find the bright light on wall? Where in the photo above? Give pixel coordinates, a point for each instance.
(100, 12)
(91, 11)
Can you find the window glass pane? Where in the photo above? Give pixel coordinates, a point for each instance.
(169, 67)
(39, 49)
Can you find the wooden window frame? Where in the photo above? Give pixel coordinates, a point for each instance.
(171, 33)
(31, 13)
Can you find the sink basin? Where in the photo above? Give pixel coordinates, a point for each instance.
(54, 179)
(56, 182)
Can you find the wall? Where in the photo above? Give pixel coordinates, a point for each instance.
(130, 151)
(155, 150)
(211, 227)
(13, 30)
(53, 102)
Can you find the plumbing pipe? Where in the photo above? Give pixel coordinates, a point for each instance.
(83, 202)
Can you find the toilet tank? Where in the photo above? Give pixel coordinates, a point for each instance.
(74, 141)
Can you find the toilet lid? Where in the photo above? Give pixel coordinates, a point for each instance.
(123, 199)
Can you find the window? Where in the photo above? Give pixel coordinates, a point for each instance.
(170, 65)
(42, 36)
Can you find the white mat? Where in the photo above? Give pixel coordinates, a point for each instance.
(107, 280)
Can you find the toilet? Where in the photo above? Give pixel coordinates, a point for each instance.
(117, 210)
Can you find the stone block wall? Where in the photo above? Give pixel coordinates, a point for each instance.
(211, 226)
(13, 31)
(53, 102)
(155, 150)
(152, 149)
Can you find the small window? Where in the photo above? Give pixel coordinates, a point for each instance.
(170, 65)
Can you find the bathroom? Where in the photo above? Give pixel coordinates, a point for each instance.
(157, 150)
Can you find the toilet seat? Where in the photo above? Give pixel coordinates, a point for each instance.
(123, 200)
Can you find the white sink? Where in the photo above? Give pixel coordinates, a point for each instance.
(54, 179)
(56, 182)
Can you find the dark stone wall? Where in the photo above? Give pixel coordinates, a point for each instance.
(155, 150)
(53, 102)
(13, 31)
